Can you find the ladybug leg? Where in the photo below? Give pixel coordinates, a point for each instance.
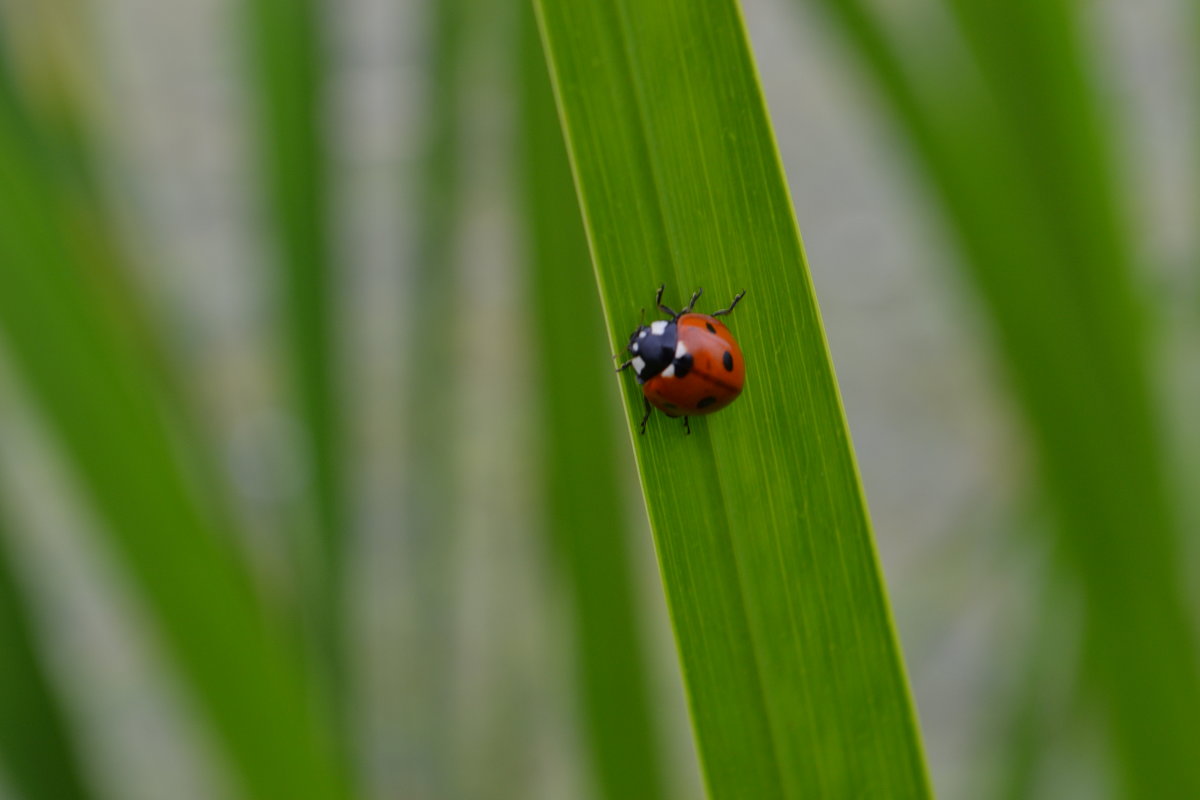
(691, 303)
(687, 427)
(645, 416)
(658, 302)
(624, 366)
(725, 311)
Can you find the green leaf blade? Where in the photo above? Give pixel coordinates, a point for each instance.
(791, 663)
(37, 753)
(583, 458)
(101, 400)
(285, 46)
(1008, 130)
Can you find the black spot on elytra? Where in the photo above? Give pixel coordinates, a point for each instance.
(727, 360)
(706, 402)
(711, 329)
(683, 365)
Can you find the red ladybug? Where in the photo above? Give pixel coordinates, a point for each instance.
(687, 365)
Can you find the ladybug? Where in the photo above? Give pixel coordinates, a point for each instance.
(688, 365)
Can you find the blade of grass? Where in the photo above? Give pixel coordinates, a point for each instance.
(583, 458)
(1047, 684)
(36, 750)
(430, 481)
(53, 92)
(87, 379)
(1007, 130)
(286, 50)
(793, 672)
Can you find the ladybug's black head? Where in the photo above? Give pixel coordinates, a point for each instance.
(653, 348)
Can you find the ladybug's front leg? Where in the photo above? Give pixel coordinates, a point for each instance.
(687, 427)
(646, 416)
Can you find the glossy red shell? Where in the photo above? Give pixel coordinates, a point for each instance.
(717, 375)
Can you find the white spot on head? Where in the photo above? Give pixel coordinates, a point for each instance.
(659, 327)
(680, 349)
(638, 365)
(643, 334)
(669, 372)
(634, 348)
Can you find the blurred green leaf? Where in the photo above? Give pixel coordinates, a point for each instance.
(584, 454)
(1031, 718)
(1003, 119)
(790, 659)
(431, 491)
(288, 54)
(37, 755)
(90, 383)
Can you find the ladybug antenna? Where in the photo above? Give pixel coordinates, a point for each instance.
(642, 321)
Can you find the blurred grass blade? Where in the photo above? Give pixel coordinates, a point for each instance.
(94, 392)
(430, 483)
(1005, 123)
(37, 756)
(1047, 683)
(54, 97)
(583, 454)
(793, 672)
(287, 51)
